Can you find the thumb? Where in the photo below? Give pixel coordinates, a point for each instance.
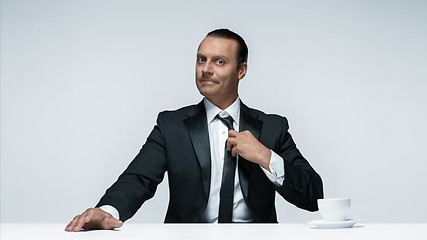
(114, 222)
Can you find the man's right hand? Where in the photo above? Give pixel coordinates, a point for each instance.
(93, 218)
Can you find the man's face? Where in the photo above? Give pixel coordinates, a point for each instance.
(217, 75)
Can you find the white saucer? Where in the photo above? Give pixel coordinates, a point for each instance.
(348, 223)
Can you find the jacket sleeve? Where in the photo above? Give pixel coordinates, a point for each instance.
(302, 186)
(139, 181)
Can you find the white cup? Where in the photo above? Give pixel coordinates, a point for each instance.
(334, 209)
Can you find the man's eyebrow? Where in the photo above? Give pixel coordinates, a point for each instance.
(215, 57)
(222, 57)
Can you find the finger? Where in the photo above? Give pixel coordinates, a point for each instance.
(234, 151)
(80, 222)
(232, 133)
(231, 143)
(72, 224)
(247, 132)
(90, 214)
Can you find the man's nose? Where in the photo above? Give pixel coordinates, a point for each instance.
(207, 68)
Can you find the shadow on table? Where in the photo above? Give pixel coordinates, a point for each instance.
(337, 228)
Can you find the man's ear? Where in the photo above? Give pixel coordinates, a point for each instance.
(242, 70)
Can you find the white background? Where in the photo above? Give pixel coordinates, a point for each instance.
(82, 83)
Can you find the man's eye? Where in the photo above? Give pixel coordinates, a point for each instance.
(220, 61)
(201, 60)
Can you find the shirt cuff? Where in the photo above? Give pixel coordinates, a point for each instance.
(277, 168)
(111, 210)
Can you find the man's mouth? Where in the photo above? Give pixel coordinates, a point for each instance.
(204, 80)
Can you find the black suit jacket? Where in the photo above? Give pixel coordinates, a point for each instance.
(179, 145)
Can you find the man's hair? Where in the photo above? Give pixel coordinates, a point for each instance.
(242, 51)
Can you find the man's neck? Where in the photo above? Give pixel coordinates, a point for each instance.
(223, 103)
(211, 110)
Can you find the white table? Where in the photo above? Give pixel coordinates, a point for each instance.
(361, 231)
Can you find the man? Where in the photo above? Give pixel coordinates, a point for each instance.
(213, 176)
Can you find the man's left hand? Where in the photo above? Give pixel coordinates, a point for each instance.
(248, 147)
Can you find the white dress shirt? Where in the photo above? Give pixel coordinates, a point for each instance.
(218, 135)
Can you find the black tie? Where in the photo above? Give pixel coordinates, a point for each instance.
(227, 186)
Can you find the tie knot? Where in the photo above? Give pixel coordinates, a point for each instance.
(228, 121)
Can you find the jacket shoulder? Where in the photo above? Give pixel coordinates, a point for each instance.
(269, 117)
(181, 113)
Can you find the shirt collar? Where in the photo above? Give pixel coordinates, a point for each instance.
(212, 110)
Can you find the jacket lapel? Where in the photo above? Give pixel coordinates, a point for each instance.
(248, 121)
(198, 130)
